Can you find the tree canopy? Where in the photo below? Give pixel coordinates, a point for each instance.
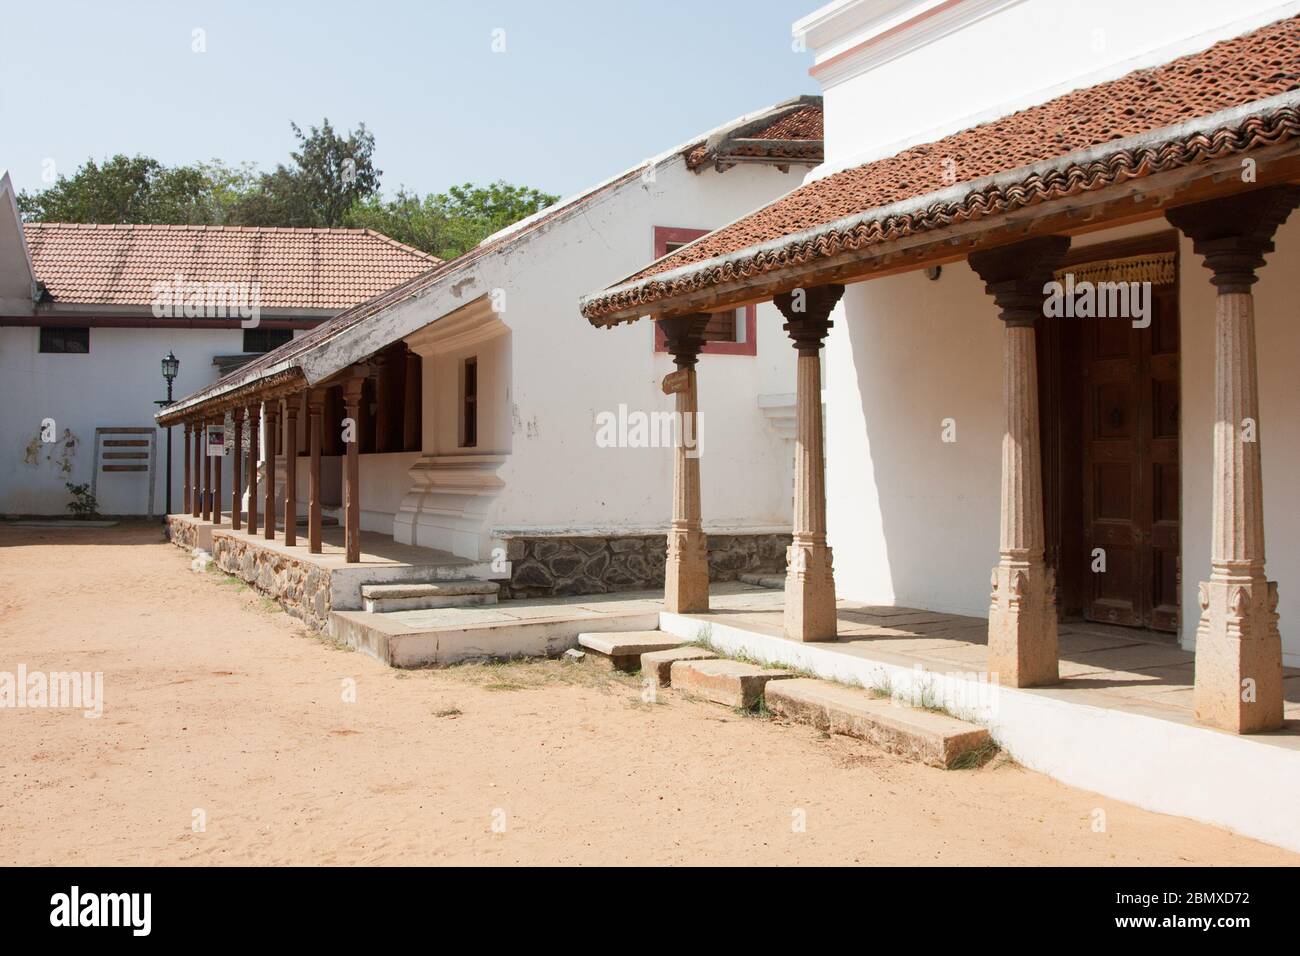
(330, 180)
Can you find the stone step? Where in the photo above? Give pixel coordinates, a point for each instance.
(383, 598)
(660, 663)
(733, 683)
(774, 581)
(933, 738)
(623, 649)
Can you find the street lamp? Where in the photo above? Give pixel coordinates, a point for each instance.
(171, 365)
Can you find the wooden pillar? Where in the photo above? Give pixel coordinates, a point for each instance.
(270, 411)
(412, 400)
(352, 474)
(686, 576)
(254, 413)
(291, 471)
(315, 405)
(196, 492)
(383, 385)
(207, 473)
(810, 577)
(186, 489)
(216, 485)
(1238, 682)
(1023, 647)
(236, 459)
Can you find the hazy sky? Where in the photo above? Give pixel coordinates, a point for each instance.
(582, 91)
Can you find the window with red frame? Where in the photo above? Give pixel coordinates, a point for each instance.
(728, 333)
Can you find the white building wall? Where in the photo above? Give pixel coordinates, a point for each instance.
(116, 384)
(549, 378)
(566, 373)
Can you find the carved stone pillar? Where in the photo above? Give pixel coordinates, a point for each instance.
(254, 421)
(352, 473)
(1023, 649)
(686, 576)
(315, 407)
(236, 479)
(270, 411)
(1238, 684)
(810, 576)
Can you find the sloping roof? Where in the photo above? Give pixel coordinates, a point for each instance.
(291, 355)
(789, 132)
(939, 183)
(118, 265)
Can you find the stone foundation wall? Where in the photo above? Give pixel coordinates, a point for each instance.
(301, 588)
(557, 566)
(183, 534)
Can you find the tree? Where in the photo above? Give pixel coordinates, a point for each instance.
(331, 181)
(125, 189)
(329, 175)
(451, 223)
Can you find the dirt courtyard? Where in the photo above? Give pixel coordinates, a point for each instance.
(227, 736)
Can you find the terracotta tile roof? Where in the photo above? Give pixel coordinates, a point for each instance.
(789, 132)
(296, 268)
(844, 210)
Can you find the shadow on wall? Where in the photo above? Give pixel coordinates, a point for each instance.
(916, 454)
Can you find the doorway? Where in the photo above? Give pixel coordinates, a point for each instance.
(1111, 397)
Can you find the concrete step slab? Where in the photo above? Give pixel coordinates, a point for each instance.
(939, 740)
(623, 649)
(443, 588)
(659, 664)
(733, 683)
(419, 596)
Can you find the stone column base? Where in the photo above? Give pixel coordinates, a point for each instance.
(1238, 684)
(809, 592)
(686, 575)
(1022, 624)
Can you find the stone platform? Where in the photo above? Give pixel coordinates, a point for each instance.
(312, 586)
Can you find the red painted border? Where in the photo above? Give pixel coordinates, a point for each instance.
(663, 236)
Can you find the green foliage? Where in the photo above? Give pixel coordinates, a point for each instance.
(330, 173)
(451, 223)
(330, 181)
(125, 189)
(83, 504)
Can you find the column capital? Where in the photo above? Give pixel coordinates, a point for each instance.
(1015, 275)
(1234, 233)
(315, 400)
(237, 413)
(684, 336)
(807, 313)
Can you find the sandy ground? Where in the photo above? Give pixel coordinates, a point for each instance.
(219, 704)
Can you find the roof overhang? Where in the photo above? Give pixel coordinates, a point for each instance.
(17, 280)
(1120, 181)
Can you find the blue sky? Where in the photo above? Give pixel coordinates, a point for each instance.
(583, 90)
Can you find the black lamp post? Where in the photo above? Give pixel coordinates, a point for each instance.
(171, 365)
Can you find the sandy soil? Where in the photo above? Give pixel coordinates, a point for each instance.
(217, 701)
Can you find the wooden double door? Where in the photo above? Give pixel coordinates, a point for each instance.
(1110, 395)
